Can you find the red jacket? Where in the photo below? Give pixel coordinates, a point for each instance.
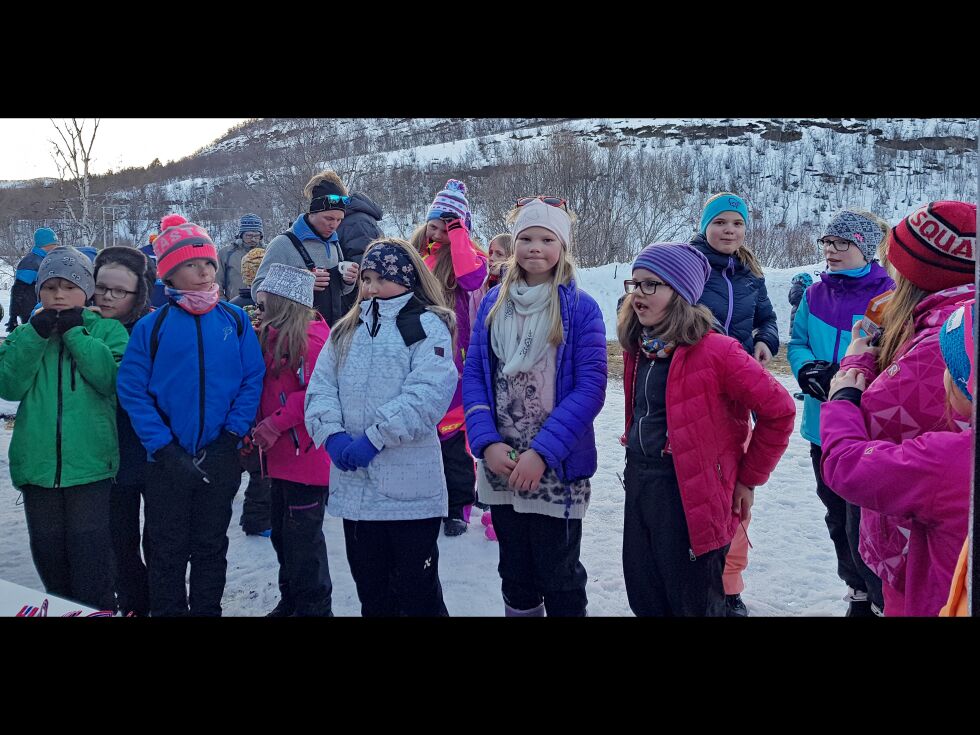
(711, 387)
(311, 466)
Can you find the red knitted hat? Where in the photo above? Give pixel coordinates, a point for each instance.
(935, 247)
(182, 242)
(169, 220)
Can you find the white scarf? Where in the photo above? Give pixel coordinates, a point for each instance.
(522, 350)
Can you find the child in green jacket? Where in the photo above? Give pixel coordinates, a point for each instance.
(62, 366)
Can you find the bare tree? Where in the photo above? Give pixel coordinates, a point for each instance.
(73, 156)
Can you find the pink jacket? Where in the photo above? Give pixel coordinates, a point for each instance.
(922, 484)
(711, 387)
(470, 270)
(905, 401)
(311, 466)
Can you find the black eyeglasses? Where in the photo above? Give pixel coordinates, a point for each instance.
(260, 306)
(840, 246)
(116, 293)
(550, 201)
(648, 287)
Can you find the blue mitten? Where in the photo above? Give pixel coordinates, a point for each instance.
(360, 453)
(336, 446)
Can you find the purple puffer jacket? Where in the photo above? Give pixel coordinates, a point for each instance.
(566, 441)
(922, 483)
(906, 400)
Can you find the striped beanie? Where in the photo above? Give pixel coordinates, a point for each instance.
(935, 247)
(250, 223)
(956, 343)
(683, 267)
(182, 242)
(451, 200)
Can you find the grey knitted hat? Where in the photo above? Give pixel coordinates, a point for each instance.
(70, 264)
(863, 232)
(295, 284)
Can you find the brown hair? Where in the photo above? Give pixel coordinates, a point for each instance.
(291, 320)
(506, 241)
(683, 324)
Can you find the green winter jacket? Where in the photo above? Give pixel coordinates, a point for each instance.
(65, 432)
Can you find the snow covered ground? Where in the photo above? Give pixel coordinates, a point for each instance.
(792, 567)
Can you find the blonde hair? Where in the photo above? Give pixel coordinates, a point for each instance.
(898, 321)
(744, 253)
(562, 275)
(683, 324)
(426, 290)
(418, 239)
(291, 320)
(250, 264)
(325, 175)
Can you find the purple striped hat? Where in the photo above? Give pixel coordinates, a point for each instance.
(683, 267)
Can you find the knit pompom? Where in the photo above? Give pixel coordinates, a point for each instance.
(171, 220)
(456, 185)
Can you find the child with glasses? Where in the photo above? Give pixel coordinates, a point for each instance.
(821, 334)
(931, 255)
(460, 267)
(312, 243)
(692, 462)
(62, 367)
(533, 383)
(190, 381)
(292, 336)
(380, 385)
(737, 297)
(123, 283)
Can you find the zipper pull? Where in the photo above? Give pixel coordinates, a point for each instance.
(690, 552)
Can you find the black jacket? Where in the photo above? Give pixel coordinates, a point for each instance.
(359, 226)
(738, 299)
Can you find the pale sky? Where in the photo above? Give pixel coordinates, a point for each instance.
(25, 150)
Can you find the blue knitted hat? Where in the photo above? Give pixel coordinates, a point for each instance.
(250, 223)
(451, 200)
(956, 343)
(44, 236)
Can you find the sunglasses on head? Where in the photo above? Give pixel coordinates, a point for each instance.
(550, 201)
(330, 199)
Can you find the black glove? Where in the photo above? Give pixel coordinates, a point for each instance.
(67, 319)
(226, 442)
(814, 378)
(44, 322)
(180, 464)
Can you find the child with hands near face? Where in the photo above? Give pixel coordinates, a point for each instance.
(62, 367)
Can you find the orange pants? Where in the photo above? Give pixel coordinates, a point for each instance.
(736, 561)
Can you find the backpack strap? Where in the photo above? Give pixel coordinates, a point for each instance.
(225, 306)
(301, 249)
(155, 332)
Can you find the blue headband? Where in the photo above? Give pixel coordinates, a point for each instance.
(723, 203)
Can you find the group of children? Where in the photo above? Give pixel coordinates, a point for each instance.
(375, 412)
